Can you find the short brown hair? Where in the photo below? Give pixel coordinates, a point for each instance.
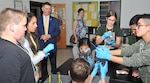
(46, 3)
(111, 13)
(80, 9)
(9, 15)
(80, 69)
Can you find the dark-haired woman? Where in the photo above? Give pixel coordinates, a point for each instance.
(111, 18)
(30, 42)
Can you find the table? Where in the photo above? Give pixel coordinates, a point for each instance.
(67, 79)
(114, 78)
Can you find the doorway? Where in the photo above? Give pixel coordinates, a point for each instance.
(35, 7)
(58, 11)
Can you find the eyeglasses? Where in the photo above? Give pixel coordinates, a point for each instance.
(138, 26)
(111, 20)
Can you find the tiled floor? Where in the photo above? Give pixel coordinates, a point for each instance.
(62, 56)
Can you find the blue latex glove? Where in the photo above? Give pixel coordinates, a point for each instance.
(106, 34)
(89, 59)
(103, 69)
(48, 48)
(46, 55)
(111, 43)
(95, 69)
(102, 52)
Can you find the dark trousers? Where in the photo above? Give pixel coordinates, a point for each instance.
(52, 58)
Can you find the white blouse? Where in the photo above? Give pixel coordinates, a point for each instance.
(34, 58)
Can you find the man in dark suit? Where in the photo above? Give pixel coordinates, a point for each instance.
(48, 30)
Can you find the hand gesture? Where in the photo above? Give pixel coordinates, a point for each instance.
(89, 59)
(111, 43)
(103, 69)
(102, 52)
(48, 48)
(95, 69)
(106, 34)
(76, 40)
(46, 55)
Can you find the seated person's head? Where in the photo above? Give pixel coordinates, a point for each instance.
(133, 23)
(84, 46)
(79, 70)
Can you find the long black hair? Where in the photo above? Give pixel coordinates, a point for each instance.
(33, 34)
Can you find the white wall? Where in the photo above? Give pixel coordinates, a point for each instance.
(10, 4)
(6, 4)
(131, 7)
(26, 5)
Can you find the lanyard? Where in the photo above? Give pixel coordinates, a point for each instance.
(25, 50)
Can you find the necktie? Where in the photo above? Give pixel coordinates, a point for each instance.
(46, 25)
